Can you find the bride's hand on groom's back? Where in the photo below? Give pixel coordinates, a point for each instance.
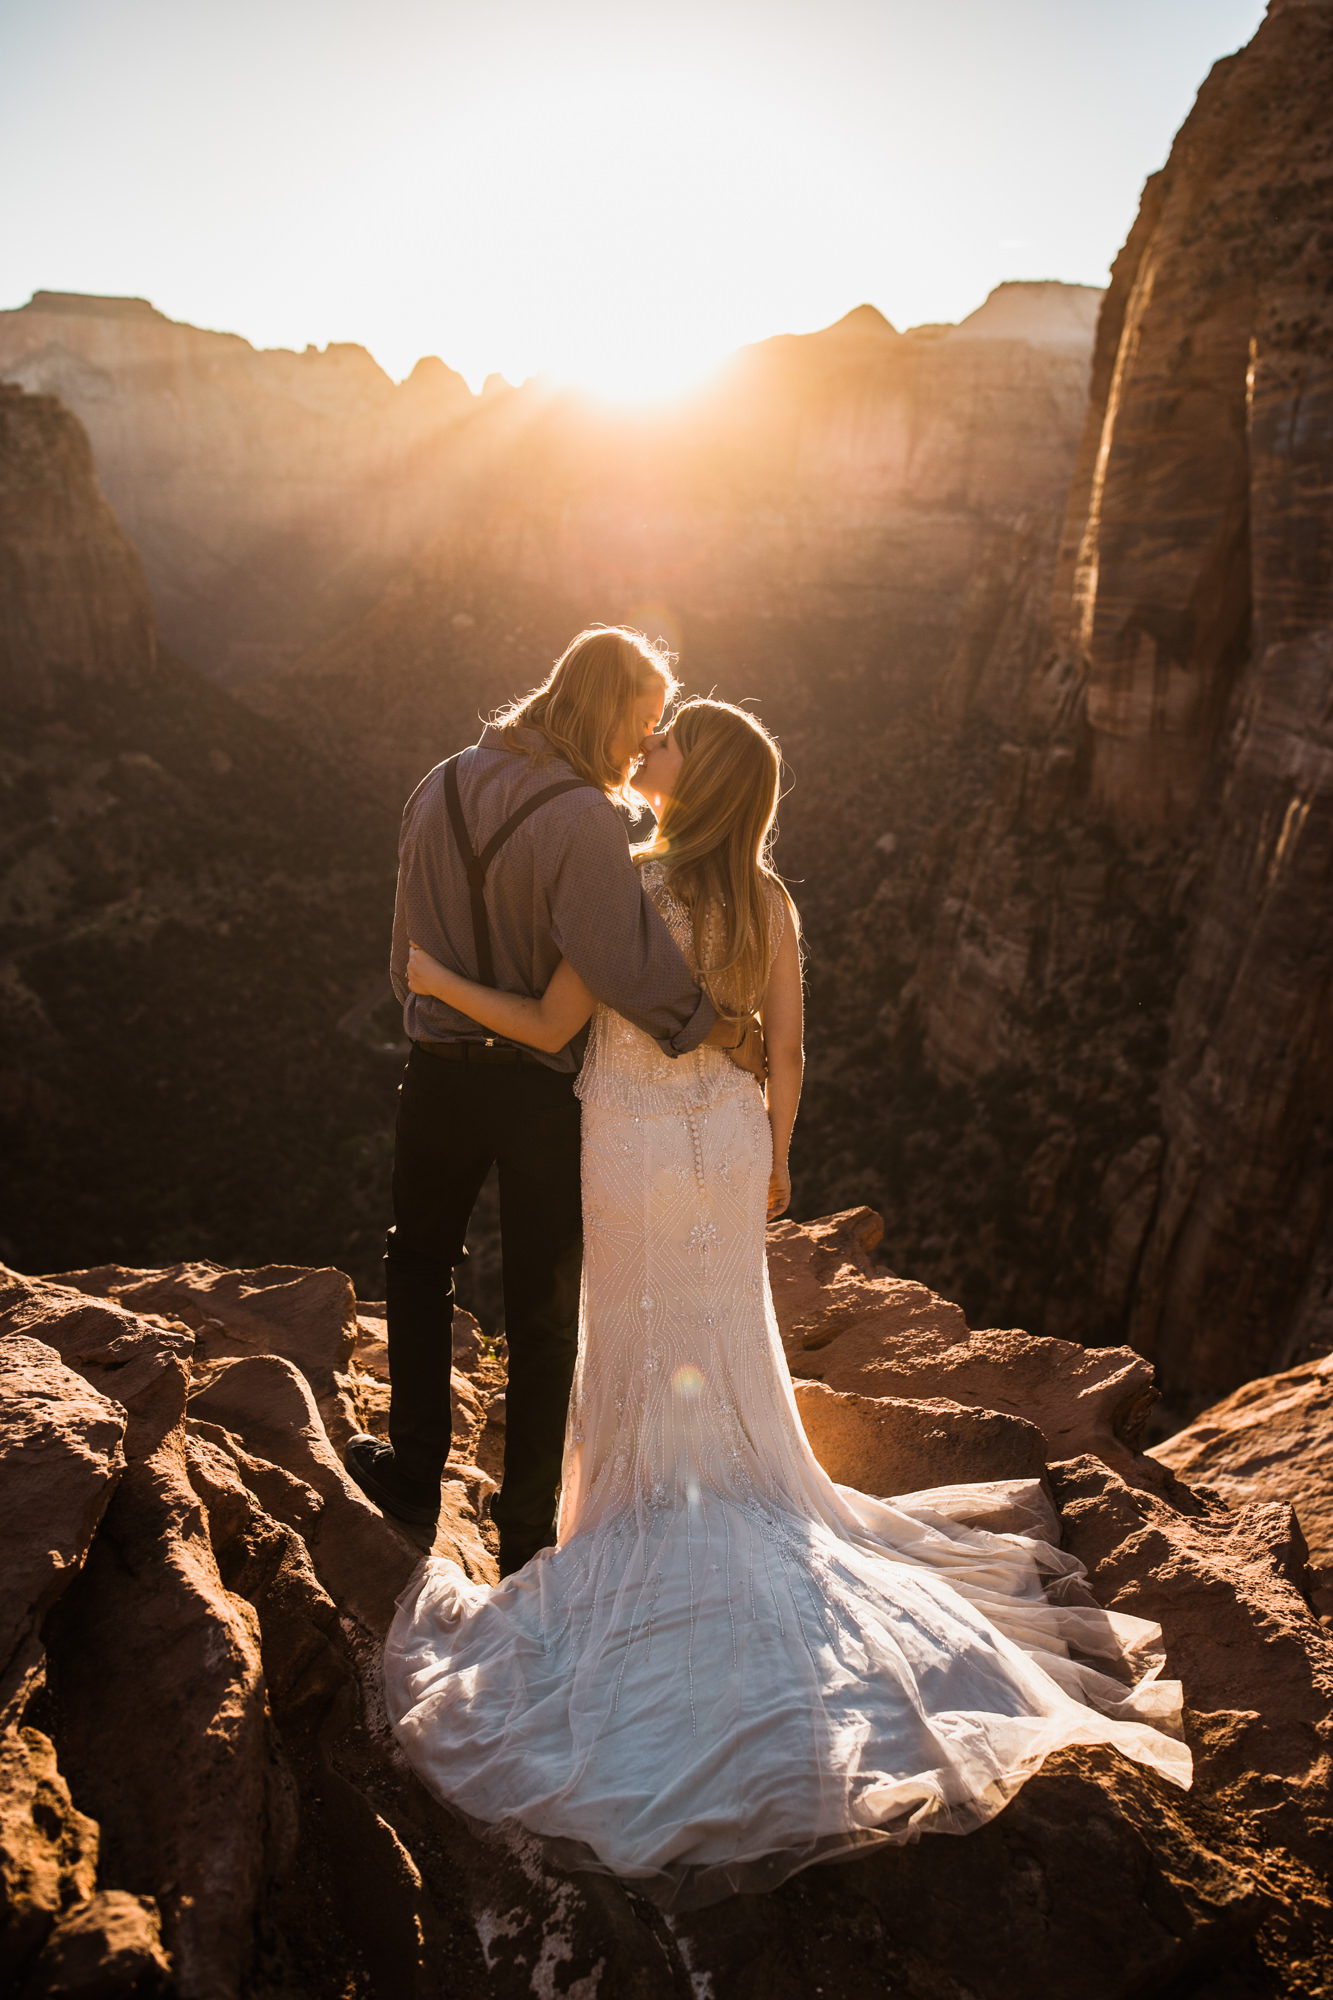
(750, 1053)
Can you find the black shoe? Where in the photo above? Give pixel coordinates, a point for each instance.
(369, 1462)
(517, 1555)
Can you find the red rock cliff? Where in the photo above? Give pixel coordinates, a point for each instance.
(1162, 842)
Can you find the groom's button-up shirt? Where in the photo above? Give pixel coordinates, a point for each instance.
(562, 886)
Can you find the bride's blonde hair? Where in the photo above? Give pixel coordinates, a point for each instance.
(715, 837)
(592, 689)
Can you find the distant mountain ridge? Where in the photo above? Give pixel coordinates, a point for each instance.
(272, 495)
(1047, 313)
(810, 530)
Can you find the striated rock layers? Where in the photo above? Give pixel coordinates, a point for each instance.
(189, 904)
(1120, 961)
(269, 494)
(201, 1796)
(809, 530)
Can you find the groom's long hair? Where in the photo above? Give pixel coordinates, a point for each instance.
(715, 836)
(591, 691)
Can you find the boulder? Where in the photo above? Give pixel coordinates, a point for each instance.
(48, 1850)
(109, 1948)
(308, 1316)
(1270, 1440)
(156, 1674)
(1094, 1884)
(61, 1457)
(887, 1444)
(263, 1557)
(1230, 1590)
(144, 1365)
(884, 1337)
(364, 1559)
(145, 1630)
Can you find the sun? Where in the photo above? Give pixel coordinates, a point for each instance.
(637, 371)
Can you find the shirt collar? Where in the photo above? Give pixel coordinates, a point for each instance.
(492, 738)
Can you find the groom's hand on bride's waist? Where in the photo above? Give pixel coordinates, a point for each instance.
(743, 1041)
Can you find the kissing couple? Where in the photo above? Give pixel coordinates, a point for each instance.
(705, 1665)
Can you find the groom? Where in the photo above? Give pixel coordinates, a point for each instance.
(512, 856)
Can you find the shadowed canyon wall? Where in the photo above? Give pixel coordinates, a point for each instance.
(1133, 943)
(189, 903)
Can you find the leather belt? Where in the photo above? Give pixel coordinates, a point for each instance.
(477, 1052)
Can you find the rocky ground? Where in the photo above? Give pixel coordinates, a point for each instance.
(202, 1798)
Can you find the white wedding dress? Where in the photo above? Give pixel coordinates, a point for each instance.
(729, 1667)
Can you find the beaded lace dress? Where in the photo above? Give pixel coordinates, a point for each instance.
(729, 1667)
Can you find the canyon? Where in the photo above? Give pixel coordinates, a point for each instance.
(850, 481)
(1042, 620)
(1057, 718)
(1041, 606)
(808, 532)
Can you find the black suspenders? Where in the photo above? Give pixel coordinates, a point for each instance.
(477, 864)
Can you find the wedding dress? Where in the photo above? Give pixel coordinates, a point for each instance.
(729, 1667)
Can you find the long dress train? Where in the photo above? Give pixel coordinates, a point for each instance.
(729, 1667)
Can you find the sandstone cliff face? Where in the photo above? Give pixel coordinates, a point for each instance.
(1131, 950)
(73, 600)
(188, 906)
(202, 1797)
(269, 494)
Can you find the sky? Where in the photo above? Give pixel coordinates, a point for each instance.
(615, 192)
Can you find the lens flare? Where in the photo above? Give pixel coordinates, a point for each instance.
(657, 620)
(687, 1380)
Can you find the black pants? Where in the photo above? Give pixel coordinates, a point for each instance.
(455, 1121)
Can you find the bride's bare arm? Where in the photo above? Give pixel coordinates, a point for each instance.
(783, 1016)
(547, 1023)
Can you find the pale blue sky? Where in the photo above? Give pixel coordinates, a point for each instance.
(615, 189)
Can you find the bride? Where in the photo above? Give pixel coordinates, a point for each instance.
(729, 1667)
